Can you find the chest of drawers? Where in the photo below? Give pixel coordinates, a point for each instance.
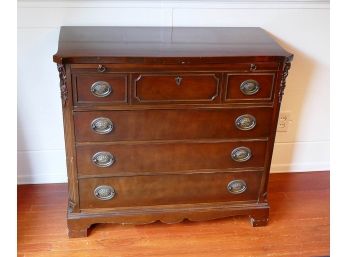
(168, 123)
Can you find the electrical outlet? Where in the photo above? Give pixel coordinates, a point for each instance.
(283, 122)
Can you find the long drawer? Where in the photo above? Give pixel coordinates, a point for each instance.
(165, 157)
(169, 189)
(101, 126)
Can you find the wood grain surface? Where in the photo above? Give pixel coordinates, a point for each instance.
(136, 42)
(299, 226)
(151, 158)
(209, 123)
(158, 190)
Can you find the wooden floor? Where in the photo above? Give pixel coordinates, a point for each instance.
(299, 226)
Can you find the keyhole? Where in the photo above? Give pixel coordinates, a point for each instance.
(178, 80)
(253, 67)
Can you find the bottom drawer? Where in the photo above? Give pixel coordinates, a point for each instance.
(169, 189)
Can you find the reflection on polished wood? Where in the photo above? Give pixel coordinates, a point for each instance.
(299, 226)
(89, 41)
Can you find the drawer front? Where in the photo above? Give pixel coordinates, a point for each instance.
(169, 189)
(147, 158)
(249, 87)
(172, 124)
(100, 89)
(175, 88)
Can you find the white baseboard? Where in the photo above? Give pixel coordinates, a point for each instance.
(299, 167)
(42, 178)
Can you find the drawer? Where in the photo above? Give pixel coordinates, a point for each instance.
(169, 189)
(249, 87)
(100, 89)
(172, 124)
(167, 157)
(175, 88)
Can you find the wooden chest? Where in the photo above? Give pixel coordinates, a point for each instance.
(168, 123)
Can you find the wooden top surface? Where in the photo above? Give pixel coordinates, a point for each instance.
(153, 42)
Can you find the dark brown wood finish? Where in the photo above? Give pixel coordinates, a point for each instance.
(151, 157)
(147, 44)
(169, 124)
(187, 64)
(173, 96)
(157, 190)
(82, 89)
(67, 96)
(234, 94)
(175, 88)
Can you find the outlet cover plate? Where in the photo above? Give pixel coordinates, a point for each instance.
(284, 121)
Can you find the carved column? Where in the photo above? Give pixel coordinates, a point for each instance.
(285, 73)
(63, 87)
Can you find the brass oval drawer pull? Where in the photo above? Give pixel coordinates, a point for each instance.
(245, 122)
(101, 89)
(237, 186)
(102, 125)
(104, 192)
(250, 87)
(103, 159)
(241, 154)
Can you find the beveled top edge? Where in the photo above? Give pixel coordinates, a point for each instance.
(82, 44)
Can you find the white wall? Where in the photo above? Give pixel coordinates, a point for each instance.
(301, 27)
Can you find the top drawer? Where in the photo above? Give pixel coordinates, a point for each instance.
(175, 88)
(100, 89)
(249, 87)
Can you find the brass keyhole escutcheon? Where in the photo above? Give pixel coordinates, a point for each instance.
(178, 80)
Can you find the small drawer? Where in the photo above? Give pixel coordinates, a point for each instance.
(138, 158)
(212, 123)
(169, 189)
(100, 89)
(175, 88)
(249, 87)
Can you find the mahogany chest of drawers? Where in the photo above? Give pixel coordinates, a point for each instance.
(168, 123)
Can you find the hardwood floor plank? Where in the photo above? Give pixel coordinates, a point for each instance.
(299, 226)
